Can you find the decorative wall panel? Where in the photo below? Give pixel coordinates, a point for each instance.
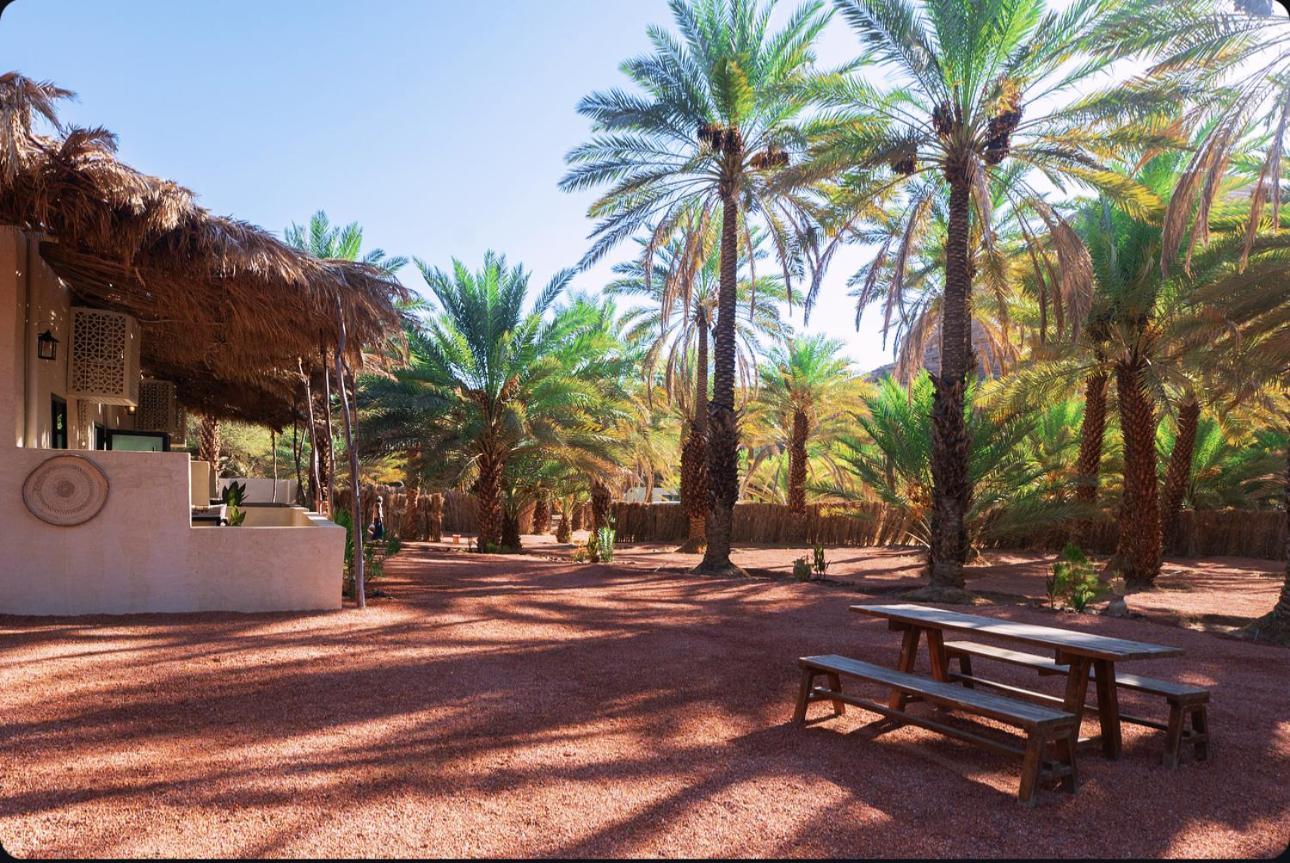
(103, 364)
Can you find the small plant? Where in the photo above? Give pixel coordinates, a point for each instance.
(234, 498)
(581, 552)
(605, 544)
(1074, 581)
(374, 554)
(802, 569)
(820, 565)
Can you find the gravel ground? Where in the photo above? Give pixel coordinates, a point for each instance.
(1216, 593)
(516, 706)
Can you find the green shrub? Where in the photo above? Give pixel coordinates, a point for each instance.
(605, 544)
(802, 569)
(234, 498)
(1074, 581)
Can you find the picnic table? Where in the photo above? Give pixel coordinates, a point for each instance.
(1077, 652)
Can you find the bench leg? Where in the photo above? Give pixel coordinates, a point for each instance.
(804, 696)
(835, 683)
(1200, 725)
(1108, 707)
(1174, 734)
(965, 667)
(908, 652)
(1030, 766)
(1066, 757)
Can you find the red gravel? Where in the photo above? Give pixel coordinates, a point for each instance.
(512, 706)
(1217, 593)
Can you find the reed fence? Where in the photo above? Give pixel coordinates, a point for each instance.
(1204, 533)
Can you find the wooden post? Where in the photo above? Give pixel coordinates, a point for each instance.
(356, 504)
(331, 474)
(314, 476)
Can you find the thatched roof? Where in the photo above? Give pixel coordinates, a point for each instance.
(226, 309)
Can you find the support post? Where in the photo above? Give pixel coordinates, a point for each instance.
(356, 488)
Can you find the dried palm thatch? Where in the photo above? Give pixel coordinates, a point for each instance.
(224, 307)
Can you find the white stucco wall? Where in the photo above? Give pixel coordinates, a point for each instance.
(140, 553)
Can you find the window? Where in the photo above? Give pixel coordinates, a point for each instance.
(57, 423)
(100, 436)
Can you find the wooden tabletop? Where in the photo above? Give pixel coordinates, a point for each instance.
(1065, 640)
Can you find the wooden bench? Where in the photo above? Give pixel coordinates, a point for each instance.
(1041, 725)
(1187, 703)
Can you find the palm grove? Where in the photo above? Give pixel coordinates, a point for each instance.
(1082, 269)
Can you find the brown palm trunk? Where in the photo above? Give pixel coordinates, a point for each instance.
(601, 502)
(488, 491)
(564, 530)
(1092, 435)
(1138, 550)
(951, 483)
(1177, 475)
(723, 424)
(797, 464)
(435, 531)
(694, 454)
(511, 530)
(1092, 432)
(542, 512)
(208, 442)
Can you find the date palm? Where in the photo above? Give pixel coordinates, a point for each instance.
(976, 90)
(807, 381)
(716, 119)
(489, 381)
(686, 272)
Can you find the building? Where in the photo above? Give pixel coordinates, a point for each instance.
(122, 306)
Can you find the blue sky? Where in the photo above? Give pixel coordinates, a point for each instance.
(440, 126)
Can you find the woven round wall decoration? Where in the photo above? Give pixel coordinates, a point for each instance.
(65, 490)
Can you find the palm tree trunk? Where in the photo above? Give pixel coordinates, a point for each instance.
(542, 512)
(511, 529)
(694, 453)
(797, 464)
(951, 483)
(564, 530)
(208, 442)
(723, 424)
(1178, 473)
(1092, 434)
(1092, 431)
(601, 502)
(435, 532)
(488, 492)
(1138, 550)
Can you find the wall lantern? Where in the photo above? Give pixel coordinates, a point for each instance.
(47, 346)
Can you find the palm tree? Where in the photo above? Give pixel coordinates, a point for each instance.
(489, 382)
(989, 71)
(806, 380)
(891, 461)
(686, 271)
(717, 121)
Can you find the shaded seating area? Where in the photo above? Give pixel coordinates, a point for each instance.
(1050, 726)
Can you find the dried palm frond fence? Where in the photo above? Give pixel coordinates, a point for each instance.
(1206, 533)
(771, 524)
(1202, 533)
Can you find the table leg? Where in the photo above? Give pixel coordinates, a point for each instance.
(1108, 707)
(1076, 689)
(936, 653)
(908, 652)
